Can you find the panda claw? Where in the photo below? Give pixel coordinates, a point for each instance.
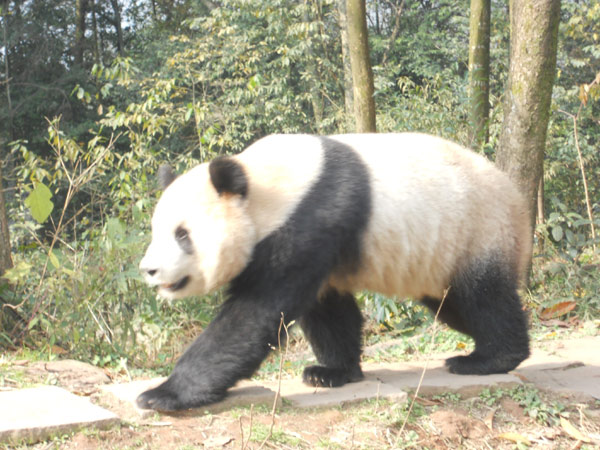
(321, 376)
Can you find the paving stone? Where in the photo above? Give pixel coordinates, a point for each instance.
(561, 369)
(304, 396)
(575, 379)
(437, 378)
(245, 393)
(584, 349)
(34, 414)
(391, 381)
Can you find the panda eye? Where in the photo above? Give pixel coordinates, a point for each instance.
(181, 234)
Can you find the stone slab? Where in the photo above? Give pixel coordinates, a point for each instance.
(245, 393)
(390, 381)
(303, 396)
(437, 379)
(562, 368)
(584, 349)
(34, 414)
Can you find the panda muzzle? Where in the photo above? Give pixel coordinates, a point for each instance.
(177, 285)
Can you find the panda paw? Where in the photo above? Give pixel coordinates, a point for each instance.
(163, 398)
(320, 376)
(477, 364)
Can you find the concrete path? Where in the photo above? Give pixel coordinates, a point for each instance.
(33, 414)
(571, 367)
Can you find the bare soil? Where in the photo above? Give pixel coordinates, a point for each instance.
(486, 420)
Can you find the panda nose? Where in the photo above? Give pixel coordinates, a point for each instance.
(147, 269)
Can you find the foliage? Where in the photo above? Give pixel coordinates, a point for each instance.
(530, 399)
(80, 290)
(204, 78)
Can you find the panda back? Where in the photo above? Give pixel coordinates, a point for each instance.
(437, 209)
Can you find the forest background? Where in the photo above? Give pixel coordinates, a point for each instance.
(95, 95)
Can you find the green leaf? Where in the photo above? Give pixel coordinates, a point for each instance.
(557, 233)
(39, 203)
(33, 322)
(53, 259)
(18, 273)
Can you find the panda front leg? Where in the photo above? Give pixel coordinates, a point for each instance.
(333, 326)
(231, 348)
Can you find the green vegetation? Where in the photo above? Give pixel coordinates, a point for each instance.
(82, 138)
(546, 412)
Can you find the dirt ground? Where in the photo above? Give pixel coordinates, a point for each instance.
(512, 417)
(493, 420)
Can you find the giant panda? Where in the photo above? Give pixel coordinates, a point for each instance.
(296, 224)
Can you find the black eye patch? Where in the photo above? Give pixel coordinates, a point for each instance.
(182, 236)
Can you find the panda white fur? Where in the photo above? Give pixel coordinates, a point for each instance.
(297, 223)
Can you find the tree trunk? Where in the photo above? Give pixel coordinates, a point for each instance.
(362, 74)
(97, 50)
(479, 70)
(348, 94)
(533, 43)
(80, 11)
(7, 69)
(315, 93)
(118, 26)
(5, 254)
(395, 31)
(153, 2)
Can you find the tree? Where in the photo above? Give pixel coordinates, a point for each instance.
(533, 46)
(5, 256)
(80, 12)
(118, 26)
(479, 70)
(346, 65)
(362, 74)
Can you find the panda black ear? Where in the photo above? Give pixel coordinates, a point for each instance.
(228, 176)
(165, 176)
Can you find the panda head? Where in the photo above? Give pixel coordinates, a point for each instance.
(202, 234)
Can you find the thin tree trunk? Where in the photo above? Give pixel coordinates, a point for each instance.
(118, 27)
(348, 93)
(315, 94)
(7, 68)
(533, 44)
(541, 213)
(479, 70)
(362, 74)
(540, 217)
(97, 50)
(395, 31)
(5, 253)
(153, 2)
(80, 12)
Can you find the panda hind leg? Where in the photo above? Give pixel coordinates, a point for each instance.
(484, 304)
(333, 326)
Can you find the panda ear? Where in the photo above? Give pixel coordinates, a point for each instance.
(165, 176)
(228, 176)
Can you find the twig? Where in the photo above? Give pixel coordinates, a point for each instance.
(245, 444)
(575, 119)
(282, 359)
(74, 185)
(588, 205)
(412, 403)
